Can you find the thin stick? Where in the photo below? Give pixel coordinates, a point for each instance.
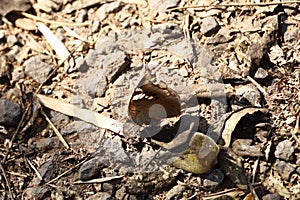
(54, 22)
(69, 170)
(99, 180)
(54, 71)
(55, 130)
(259, 87)
(235, 5)
(221, 193)
(7, 183)
(34, 169)
(253, 179)
(254, 170)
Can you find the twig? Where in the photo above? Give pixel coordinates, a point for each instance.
(34, 169)
(235, 5)
(228, 192)
(55, 130)
(99, 180)
(253, 179)
(254, 170)
(55, 70)
(259, 87)
(54, 22)
(7, 182)
(69, 170)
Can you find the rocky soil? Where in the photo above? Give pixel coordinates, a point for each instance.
(144, 99)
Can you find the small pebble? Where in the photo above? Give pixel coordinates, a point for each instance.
(290, 35)
(11, 40)
(271, 197)
(38, 193)
(285, 150)
(261, 74)
(92, 168)
(214, 178)
(284, 169)
(1, 35)
(175, 191)
(209, 26)
(37, 69)
(10, 112)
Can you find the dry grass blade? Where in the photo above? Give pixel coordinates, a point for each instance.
(99, 180)
(55, 130)
(74, 34)
(236, 5)
(7, 182)
(55, 43)
(53, 22)
(296, 130)
(83, 114)
(234, 193)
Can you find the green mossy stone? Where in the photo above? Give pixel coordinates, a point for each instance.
(199, 157)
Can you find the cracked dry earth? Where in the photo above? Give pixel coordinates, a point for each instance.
(149, 99)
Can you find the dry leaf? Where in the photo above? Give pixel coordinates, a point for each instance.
(83, 114)
(26, 24)
(234, 119)
(55, 43)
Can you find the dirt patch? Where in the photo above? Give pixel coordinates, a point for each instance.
(149, 100)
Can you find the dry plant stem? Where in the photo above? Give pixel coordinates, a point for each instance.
(99, 180)
(34, 169)
(69, 170)
(33, 17)
(221, 193)
(296, 130)
(252, 189)
(55, 130)
(259, 87)
(236, 5)
(254, 170)
(54, 71)
(7, 182)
